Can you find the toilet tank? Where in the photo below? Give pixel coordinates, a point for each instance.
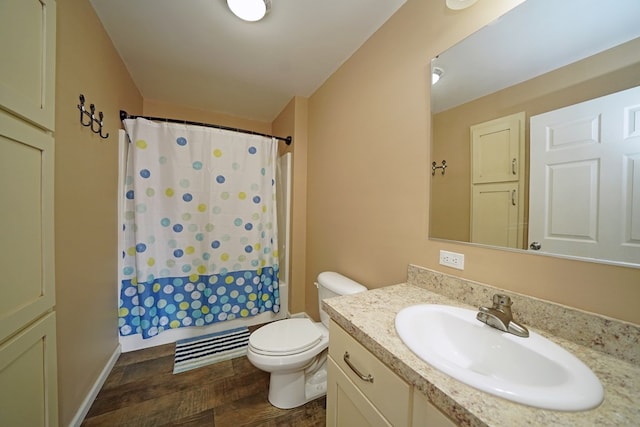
(331, 284)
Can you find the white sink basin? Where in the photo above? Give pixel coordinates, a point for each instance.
(533, 371)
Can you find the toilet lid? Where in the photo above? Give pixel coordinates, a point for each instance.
(287, 336)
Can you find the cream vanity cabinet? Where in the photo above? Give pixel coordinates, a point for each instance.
(362, 391)
(28, 372)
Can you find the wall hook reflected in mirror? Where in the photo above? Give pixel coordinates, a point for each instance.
(95, 124)
(434, 167)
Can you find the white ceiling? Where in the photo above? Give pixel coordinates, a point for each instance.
(197, 53)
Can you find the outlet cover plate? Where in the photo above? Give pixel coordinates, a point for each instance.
(452, 259)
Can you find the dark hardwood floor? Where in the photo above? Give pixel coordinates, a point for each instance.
(143, 391)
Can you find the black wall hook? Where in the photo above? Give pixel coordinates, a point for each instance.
(95, 124)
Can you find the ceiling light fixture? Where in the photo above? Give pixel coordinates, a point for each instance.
(459, 4)
(436, 73)
(250, 10)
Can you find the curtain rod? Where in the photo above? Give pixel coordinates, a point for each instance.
(124, 115)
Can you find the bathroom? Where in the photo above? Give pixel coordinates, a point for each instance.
(365, 128)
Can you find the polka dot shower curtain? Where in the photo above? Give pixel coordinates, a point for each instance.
(200, 229)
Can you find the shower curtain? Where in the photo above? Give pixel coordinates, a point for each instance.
(200, 227)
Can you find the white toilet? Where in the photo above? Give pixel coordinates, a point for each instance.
(294, 350)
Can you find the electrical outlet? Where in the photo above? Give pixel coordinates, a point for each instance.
(452, 259)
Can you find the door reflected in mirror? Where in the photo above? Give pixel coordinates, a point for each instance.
(556, 191)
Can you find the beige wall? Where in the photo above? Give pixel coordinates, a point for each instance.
(154, 108)
(368, 180)
(293, 121)
(86, 226)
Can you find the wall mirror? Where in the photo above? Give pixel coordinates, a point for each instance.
(537, 119)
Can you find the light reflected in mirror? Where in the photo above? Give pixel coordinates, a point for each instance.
(525, 114)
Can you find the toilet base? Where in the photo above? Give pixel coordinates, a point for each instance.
(290, 390)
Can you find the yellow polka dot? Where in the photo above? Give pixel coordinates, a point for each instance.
(228, 280)
(124, 311)
(257, 246)
(242, 195)
(224, 257)
(259, 271)
(275, 253)
(264, 208)
(151, 262)
(189, 250)
(204, 309)
(156, 287)
(184, 305)
(169, 192)
(141, 143)
(193, 278)
(244, 312)
(253, 297)
(131, 251)
(217, 152)
(134, 281)
(265, 297)
(202, 207)
(174, 324)
(202, 269)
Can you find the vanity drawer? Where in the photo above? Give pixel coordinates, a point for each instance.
(387, 391)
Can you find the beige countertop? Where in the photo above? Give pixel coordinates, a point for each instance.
(370, 318)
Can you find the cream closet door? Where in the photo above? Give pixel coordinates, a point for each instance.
(28, 372)
(497, 183)
(585, 178)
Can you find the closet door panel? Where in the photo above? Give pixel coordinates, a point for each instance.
(27, 69)
(26, 228)
(28, 376)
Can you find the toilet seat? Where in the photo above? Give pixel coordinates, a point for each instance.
(285, 337)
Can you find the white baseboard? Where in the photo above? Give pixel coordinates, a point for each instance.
(93, 393)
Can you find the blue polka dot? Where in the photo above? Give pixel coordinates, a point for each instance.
(181, 141)
(187, 197)
(178, 253)
(145, 173)
(248, 226)
(141, 247)
(256, 199)
(130, 194)
(177, 228)
(215, 244)
(220, 179)
(252, 150)
(248, 249)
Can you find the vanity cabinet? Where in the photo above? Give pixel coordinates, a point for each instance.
(363, 391)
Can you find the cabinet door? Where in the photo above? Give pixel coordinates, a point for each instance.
(346, 405)
(27, 49)
(427, 415)
(26, 228)
(28, 387)
(495, 215)
(385, 390)
(497, 150)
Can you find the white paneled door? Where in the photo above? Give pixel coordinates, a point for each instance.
(585, 179)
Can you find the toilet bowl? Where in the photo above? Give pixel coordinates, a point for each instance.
(294, 350)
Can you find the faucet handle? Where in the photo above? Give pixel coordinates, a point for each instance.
(501, 300)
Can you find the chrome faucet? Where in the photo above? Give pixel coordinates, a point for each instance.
(499, 316)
